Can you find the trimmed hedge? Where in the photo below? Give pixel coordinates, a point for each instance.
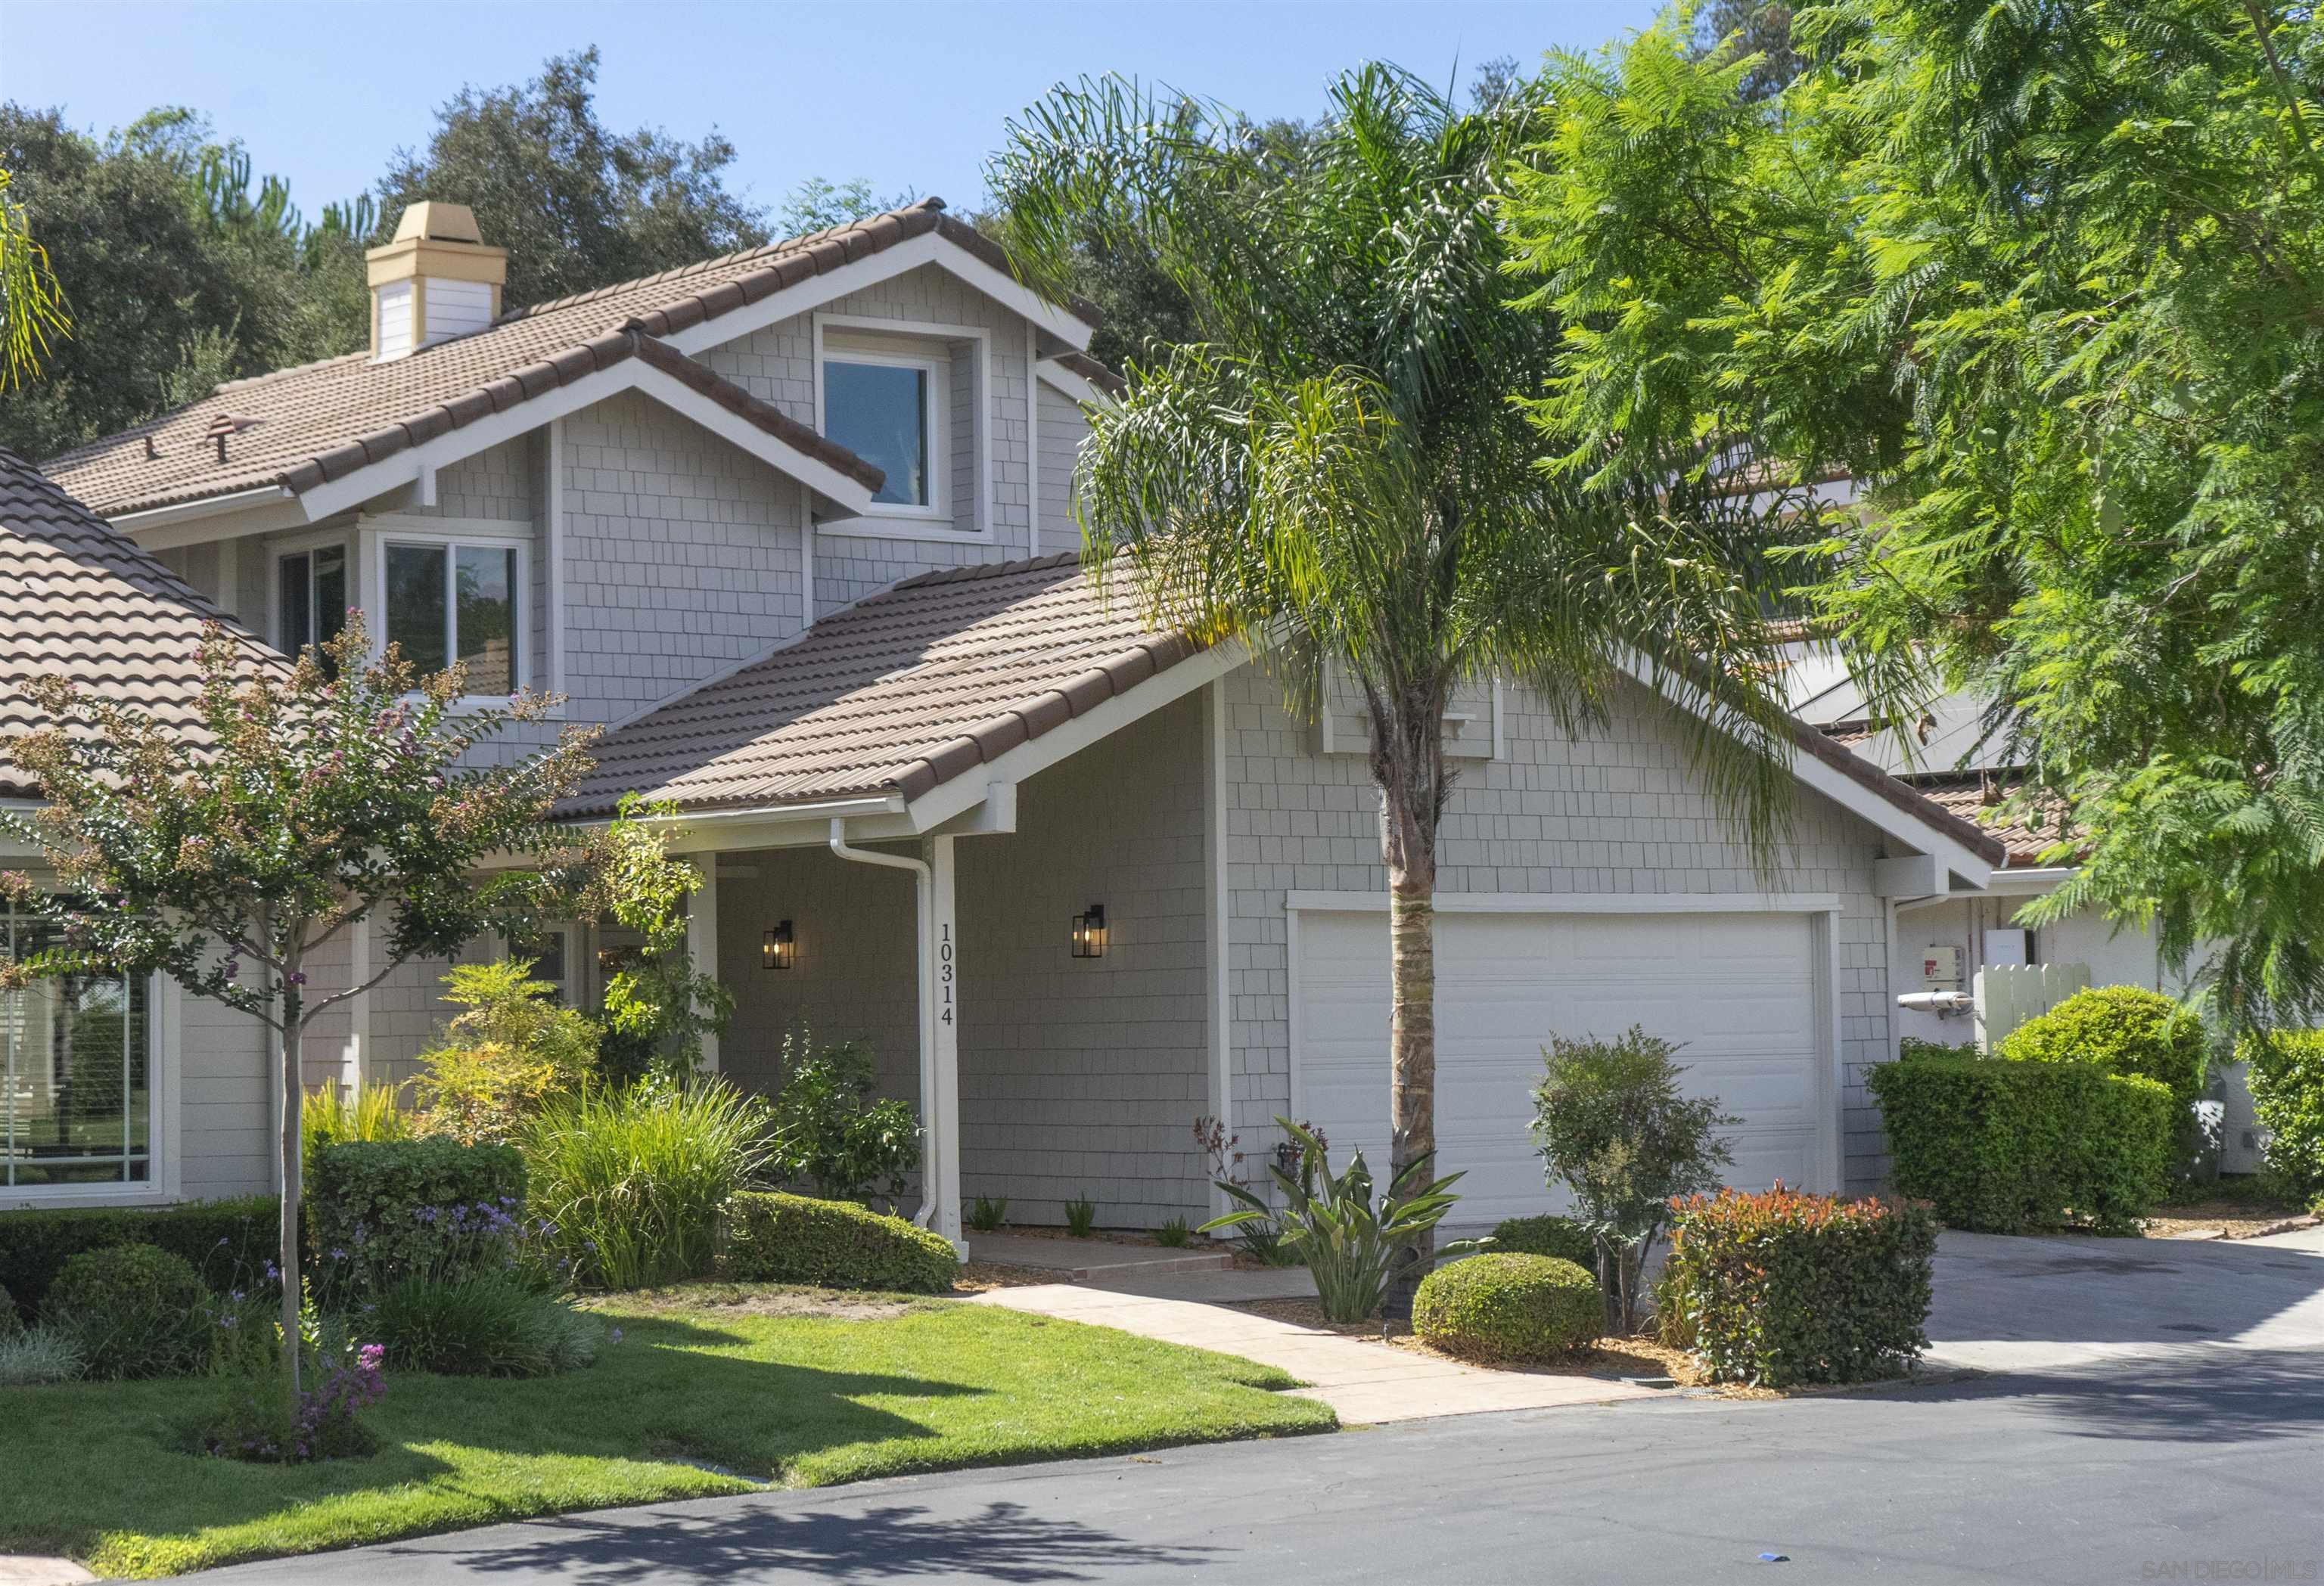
(1783, 1287)
(2123, 1030)
(2287, 1091)
(134, 1310)
(382, 1208)
(2003, 1147)
(228, 1242)
(1512, 1306)
(776, 1237)
(1560, 1237)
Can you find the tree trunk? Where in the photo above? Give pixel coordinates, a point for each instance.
(1408, 762)
(294, 1092)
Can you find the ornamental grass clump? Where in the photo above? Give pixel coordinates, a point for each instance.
(632, 1181)
(1784, 1288)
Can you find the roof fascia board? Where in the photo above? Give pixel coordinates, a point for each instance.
(166, 526)
(632, 373)
(944, 802)
(1839, 788)
(1082, 390)
(269, 517)
(928, 248)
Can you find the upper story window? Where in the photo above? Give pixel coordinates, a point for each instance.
(310, 597)
(456, 599)
(907, 396)
(75, 1096)
(883, 408)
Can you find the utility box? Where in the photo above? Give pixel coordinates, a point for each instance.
(1940, 968)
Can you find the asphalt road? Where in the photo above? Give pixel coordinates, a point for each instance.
(2202, 1464)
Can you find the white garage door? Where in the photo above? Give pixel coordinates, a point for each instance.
(1737, 991)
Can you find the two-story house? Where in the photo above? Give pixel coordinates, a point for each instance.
(796, 527)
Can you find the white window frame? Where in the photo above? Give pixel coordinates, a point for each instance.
(160, 1184)
(380, 533)
(897, 343)
(305, 545)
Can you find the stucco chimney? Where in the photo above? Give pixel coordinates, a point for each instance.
(437, 279)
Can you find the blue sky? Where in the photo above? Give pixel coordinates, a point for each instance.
(907, 95)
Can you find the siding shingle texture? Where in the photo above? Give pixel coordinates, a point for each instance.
(897, 694)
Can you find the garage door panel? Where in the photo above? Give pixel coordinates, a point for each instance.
(1736, 991)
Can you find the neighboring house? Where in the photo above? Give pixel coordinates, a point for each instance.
(796, 527)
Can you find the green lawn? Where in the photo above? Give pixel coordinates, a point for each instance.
(93, 1469)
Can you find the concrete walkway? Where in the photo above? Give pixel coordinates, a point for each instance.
(1084, 1260)
(1363, 1381)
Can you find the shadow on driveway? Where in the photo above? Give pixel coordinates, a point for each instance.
(739, 1540)
(2206, 1395)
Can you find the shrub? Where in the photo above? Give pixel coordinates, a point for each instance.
(507, 1049)
(1081, 1218)
(775, 1238)
(10, 1323)
(133, 1311)
(225, 1240)
(379, 1209)
(2287, 1091)
(487, 1324)
(1615, 1130)
(1174, 1234)
(1782, 1289)
(985, 1214)
(33, 1357)
(1562, 1236)
(833, 1132)
(631, 1183)
(1508, 1307)
(2123, 1030)
(2004, 1147)
(258, 1418)
(1348, 1243)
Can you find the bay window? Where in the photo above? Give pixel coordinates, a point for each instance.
(461, 600)
(76, 1093)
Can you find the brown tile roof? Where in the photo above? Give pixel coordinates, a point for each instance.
(79, 600)
(300, 426)
(1974, 801)
(894, 694)
(1093, 371)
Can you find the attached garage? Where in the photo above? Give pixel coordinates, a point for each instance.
(1744, 990)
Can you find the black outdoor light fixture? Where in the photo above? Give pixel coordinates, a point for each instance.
(776, 950)
(1089, 932)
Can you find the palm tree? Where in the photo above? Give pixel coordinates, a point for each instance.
(32, 310)
(1340, 473)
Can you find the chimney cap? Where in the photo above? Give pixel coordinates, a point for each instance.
(434, 220)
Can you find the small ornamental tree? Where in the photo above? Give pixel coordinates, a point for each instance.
(310, 798)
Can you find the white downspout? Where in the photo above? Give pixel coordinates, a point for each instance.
(924, 897)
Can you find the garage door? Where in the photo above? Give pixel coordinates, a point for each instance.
(1737, 991)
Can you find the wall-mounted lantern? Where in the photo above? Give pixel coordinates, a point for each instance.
(1089, 932)
(777, 949)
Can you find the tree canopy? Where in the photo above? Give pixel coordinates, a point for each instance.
(2047, 280)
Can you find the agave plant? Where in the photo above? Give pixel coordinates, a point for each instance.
(1331, 1222)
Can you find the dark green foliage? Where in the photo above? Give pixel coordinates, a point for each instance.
(228, 1242)
(2124, 1029)
(1560, 1237)
(379, 1209)
(133, 1311)
(576, 205)
(1506, 1305)
(11, 1322)
(2003, 1148)
(773, 1238)
(833, 1131)
(1782, 1289)
(486, 1324)
(1173, 1235)
(1080, 1216)
(2287, 1089)
(985, 1215)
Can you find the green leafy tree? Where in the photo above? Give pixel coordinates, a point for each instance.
(2049, 281)
(312, 798)
(660, 1004)
(1331, 471)
(507, 1049)
(576, 205)
(817, 203)
(1615, 1130)
(32, 310)
(1760, 28)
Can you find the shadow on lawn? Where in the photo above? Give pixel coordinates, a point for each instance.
(749, 1542)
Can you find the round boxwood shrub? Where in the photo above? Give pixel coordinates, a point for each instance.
(2287, 1090)
(1499, 1306)
(2124, 1029)
(133, 1311)
(776, 1237)
(1562, 1236)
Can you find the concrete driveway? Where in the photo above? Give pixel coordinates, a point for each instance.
(2007, 1304)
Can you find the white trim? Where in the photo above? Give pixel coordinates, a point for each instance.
(1823, 952)
(944, 1026)
(1294, 1086)
(632, 374)
(356, 1059)
(165, 1064)
(1579, 903)
(2031, 881)
(1082, 389)
(151, 518)
(1834, 784)
(806, 561)
(1032, 442)
(378, 533)
(928, 248)
(1217, 941)
(553, 532)
(935, 367)
(890, 521)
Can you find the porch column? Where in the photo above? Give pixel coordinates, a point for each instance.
(702, 940)
(944, 1112)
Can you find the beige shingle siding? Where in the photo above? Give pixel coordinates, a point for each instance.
(1615, 812)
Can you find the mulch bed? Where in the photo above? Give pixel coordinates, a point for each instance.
(2224, 1219)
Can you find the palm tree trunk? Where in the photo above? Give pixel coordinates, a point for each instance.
(1408, 762)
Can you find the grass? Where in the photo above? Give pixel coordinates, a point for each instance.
(694, 1399)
